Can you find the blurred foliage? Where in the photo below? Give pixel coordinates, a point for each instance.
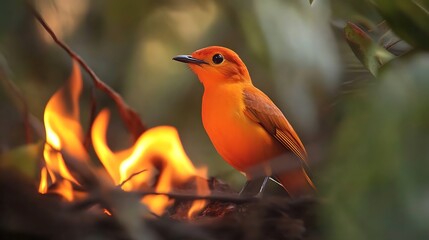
(380, 158)
(376, 176)
(24, 158)
(409, 20)
(350, 75)
(366, 50)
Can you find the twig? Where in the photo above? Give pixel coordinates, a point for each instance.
(130, 177)
(190, 197)
(90, 201)
(129, 116)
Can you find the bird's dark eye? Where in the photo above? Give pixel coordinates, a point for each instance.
(217, 58)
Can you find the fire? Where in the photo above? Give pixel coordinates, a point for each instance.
(156, 161)
(203, 189)
(157, 151)
(63, 134)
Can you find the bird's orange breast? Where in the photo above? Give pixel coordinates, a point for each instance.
(242, 142)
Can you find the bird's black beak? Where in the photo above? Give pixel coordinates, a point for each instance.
(188, 59)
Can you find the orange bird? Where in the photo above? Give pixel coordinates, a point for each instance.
(245, 126)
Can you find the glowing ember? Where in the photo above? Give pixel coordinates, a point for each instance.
(107, 212)
(156, 161)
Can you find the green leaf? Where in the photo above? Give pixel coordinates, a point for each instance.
(366, 49)
(24, 158)
(408, 19)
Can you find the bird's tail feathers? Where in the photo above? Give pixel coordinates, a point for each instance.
(297, 182)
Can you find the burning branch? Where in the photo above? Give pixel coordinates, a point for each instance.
(130, 177)
(128, 115)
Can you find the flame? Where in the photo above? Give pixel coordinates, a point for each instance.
(43, 186)
(155, 162)
(63, 134)
(203, 190)
(158, 151)
(65, 189)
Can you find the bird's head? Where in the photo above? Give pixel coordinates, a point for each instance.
(216, 65)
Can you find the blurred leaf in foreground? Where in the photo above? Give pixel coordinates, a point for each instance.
(23, 158)
(380, 158)
(408, 19)
(366, 50)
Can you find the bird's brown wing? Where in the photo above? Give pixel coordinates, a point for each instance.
(262, 110)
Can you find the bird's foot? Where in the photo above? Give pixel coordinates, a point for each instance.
(254, 187)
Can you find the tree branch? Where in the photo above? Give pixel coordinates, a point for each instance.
(128, 115)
